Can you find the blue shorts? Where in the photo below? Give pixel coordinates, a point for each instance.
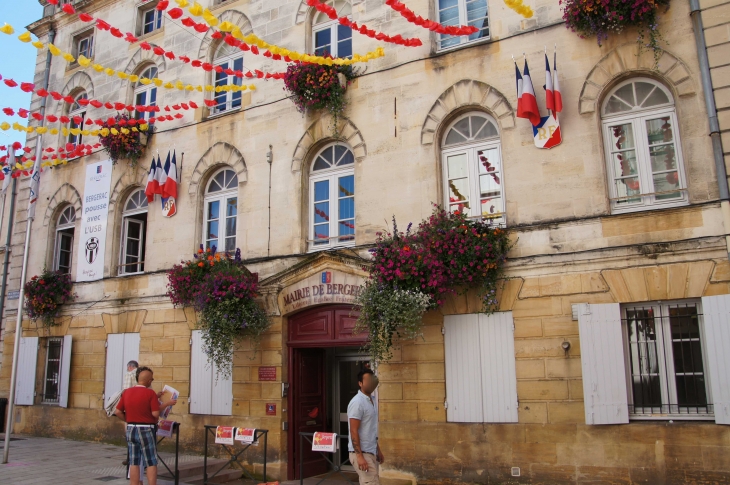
(142, 446)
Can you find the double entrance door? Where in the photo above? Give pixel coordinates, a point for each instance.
(323, 380)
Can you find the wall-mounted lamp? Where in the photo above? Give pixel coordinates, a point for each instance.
(566, 346)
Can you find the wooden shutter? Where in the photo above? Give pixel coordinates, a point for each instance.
(716, 310)
(604, 365)
(131, 349)
(27, 361)
(499, 376)
(222, 395)
(115, 364)
(65, 371)
(201, 377)
(463, 369)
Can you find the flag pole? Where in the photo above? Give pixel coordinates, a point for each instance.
(19, 320)
(29, 223)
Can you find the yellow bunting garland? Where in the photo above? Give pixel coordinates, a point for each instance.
(25, 37)
(520, 8)
(7, 29)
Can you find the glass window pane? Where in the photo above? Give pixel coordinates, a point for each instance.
(488, 161)
(454, 137)
(212, 230)
(492, 206)
(321, 164)
(230, 244)
(231, 207)
(321, 190)
(321, 212)
(141, 99)
(628, 187)
(666, 182)
(132, 250)
(663, 158)
(622, 137)
(347, 230)
(656, 98)
(659, 130)
(626, 94)
(642, 91)
(459, 190)
(213, 209)
(457, 166)
(449, 16)
(347, 159)
(625, 163)
(231, 226)
(66, 242)
(490, 185)
(346, 187)
(323, 39)
(347, 208)
(344, 48)
(133, 230)
(322, 234)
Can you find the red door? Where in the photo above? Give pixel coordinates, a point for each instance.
(310, 411)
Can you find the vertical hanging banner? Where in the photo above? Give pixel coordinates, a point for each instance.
(90, 262)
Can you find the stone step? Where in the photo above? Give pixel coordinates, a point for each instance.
(190, 469)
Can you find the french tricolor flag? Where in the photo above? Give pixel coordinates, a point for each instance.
(556, 86)
(170, 188)
(529, 102)
(518, 78)
(152, 184)
(549, 91)
(161, 175)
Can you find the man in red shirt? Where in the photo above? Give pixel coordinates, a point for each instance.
(140, 409)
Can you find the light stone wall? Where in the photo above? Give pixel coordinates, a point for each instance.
(568, 247)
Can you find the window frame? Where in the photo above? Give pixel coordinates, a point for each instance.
(228, 96)
(463, 20)
(147, 90)
(637, 118)
(333, 26)
(78, 39)
(64, 230)
(77, 110)
(331, 175)
(471, 149)
(159, 20)
(46, 366)
(127, 216)
(666, 364)
(222, 197)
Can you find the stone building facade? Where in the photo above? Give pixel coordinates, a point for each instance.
(640, 256)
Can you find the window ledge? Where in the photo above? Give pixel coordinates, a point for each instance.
(149, 36)
(124, 275)
(671, 417)
(465, 45)
(223, 113)
(646, 208)
(328, 248)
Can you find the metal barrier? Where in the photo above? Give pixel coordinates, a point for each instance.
(234, 457)
(175, 474)
(336, 469)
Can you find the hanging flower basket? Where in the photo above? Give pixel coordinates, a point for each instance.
(599, 18)
(124, 140)
(314, 86)
(413, 272)
(222, 291)
(45, 294)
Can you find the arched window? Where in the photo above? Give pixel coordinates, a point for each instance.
(472, 162)
(78, 116)
(330, 37)
(230, 60)
(221, 211)
(145, 93)
(645, 166)
(463, 12)
(134, 234)
(332, 196)
(64, 247)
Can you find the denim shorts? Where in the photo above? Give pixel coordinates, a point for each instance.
(142, 446)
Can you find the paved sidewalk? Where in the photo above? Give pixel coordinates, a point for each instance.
(50, 461)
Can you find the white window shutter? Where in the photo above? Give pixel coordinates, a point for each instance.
(463, 369)
(604, 366)
(201, 377)
(716, 310)
(27, 362)
(65, 371)
(499, 376)
(131, 349)
(115, 365)
(222, 395)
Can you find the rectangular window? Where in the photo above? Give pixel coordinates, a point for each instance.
(52, 378)
(134, 240)
(147, 96)
(218, 221)
(644, 162)
(333, 210)
(664, 347)
(84, 45)
(333, 39)
(473, 178)
(151, 20)
(64, 250)
(463, 12)
(228, 100)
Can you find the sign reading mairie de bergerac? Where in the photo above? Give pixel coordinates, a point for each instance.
(320, 288)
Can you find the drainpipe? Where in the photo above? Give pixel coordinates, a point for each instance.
(694, 6)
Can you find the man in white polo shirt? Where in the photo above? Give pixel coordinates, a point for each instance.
(365, 454)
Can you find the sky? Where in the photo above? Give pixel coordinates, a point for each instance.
(17, 62)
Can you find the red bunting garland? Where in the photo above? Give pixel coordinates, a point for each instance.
(410, 16)
(331, 12)
(102, 25)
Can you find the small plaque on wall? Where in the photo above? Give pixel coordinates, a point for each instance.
(267, 373)
(270, 409)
